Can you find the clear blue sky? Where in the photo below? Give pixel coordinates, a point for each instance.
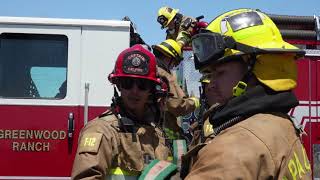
(144, 12)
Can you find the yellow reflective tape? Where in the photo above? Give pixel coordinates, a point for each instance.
(119, 171)
(196, 102)
(306, 160)
(89, 141)
(293, 169)
(299, 165)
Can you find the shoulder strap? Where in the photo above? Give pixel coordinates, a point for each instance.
(299, 128)
(106, 113)
(186, 159)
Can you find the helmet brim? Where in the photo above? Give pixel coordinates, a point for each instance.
(113, 77)
(174, 12)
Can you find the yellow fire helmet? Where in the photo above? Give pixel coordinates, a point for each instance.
(166, 15)
(275, 66)
(169, 48)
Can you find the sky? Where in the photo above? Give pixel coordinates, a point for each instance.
(144, 12)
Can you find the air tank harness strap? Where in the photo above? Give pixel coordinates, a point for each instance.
(160, 169)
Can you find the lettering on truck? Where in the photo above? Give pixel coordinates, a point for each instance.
(31, 140)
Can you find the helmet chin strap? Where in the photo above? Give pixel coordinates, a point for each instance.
(242, 85)
(115, 98)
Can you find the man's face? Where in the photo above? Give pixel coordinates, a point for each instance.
(169, 61)
(223, 78)
(135, 93)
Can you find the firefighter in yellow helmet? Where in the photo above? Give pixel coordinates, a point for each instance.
(127, 141)
(253, 73)
(179, 27)
(168, 55)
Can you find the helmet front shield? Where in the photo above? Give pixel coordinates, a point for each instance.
(207, 47)
(163, 21)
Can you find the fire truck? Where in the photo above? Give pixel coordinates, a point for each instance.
(53, 79)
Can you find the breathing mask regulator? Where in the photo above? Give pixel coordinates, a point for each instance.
(209, 48)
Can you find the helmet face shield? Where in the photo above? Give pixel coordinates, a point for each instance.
(162, 20)
(208, 46)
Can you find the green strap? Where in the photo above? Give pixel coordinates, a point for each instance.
(158, 170)
(171, 134)
(179, 148)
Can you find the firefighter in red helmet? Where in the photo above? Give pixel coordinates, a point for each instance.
(127, 141)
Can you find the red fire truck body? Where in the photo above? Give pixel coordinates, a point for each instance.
(304, 32)
(53, 79)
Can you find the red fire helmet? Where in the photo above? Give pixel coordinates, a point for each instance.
(136, 62)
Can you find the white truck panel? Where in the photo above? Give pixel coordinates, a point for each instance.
(93, 46)
(100, 47)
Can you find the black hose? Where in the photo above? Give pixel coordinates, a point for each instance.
(293, 20)
(298, 34)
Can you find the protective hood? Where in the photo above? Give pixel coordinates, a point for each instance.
(256, 100)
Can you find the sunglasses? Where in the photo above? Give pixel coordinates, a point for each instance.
(142, 84)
